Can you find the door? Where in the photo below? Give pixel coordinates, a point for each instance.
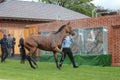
(32, 30)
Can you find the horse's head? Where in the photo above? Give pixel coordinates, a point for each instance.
(66, 27)
(69, 28)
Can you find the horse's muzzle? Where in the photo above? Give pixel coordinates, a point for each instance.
(72, 33)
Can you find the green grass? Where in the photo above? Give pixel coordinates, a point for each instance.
(13, 70)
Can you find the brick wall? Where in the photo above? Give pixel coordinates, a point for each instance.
(112, 23)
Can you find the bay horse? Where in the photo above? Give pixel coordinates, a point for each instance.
(51, 42)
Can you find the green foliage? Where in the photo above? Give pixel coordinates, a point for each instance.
(81, 6)
(13, 70)
(81, 9)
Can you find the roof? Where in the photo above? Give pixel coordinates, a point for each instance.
(37, 11)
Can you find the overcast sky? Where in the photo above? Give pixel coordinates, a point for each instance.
(107, 4)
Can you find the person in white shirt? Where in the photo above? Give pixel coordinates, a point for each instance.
(66, 49)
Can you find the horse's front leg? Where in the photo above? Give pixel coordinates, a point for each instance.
(62, 58)
(56, 60)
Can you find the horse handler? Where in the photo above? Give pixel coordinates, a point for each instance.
(66, 49)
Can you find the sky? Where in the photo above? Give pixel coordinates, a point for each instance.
(107, 4)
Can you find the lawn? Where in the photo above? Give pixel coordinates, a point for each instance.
(13, 70)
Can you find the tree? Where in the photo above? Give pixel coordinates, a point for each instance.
(81, 6)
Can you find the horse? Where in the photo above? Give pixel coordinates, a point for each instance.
(51, 42)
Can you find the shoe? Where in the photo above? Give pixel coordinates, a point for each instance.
(75, 66)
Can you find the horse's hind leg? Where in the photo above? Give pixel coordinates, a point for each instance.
(30, 60)
(34, 62)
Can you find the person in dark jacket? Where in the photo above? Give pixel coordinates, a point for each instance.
(13, 46)
(22, 50)
(4, 48)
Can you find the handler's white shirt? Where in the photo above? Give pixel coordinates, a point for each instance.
(67, 42)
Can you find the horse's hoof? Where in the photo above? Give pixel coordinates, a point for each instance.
(34, 67)
(58, 67)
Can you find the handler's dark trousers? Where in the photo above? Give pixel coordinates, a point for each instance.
(70, 55)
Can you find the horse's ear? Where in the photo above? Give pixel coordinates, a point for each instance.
(68, 23)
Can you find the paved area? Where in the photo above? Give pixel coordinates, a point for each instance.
(17, 57)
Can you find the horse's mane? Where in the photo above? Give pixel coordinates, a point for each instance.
(61, 28)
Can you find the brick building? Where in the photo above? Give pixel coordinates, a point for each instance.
(15, 15)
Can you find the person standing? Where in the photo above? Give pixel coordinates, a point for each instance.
(13, 46)
(10, 40)
(66, 49)
(22, 50)
(4, 48)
